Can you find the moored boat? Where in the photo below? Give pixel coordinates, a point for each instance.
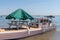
(37, 27)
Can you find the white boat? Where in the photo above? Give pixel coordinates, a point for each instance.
(25, 33)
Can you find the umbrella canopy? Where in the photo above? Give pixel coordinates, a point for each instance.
(19, 14)
(50, 16)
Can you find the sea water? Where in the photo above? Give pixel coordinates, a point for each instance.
(4, 22)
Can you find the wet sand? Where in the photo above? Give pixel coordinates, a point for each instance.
(51, 35)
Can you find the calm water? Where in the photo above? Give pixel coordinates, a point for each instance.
(52, 35)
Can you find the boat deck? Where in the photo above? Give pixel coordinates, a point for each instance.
(11, 34)
(19, 30)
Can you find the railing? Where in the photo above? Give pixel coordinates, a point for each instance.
(17, 23)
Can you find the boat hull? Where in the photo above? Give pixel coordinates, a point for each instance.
(14, 35)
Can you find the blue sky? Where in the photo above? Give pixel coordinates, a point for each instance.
(33, 7)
